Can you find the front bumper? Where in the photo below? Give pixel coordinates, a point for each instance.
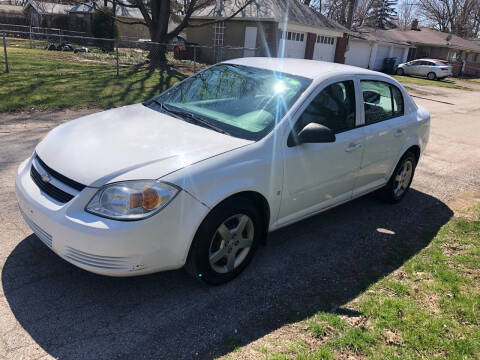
(104, 246)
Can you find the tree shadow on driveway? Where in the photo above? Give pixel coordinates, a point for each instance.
(315, 265)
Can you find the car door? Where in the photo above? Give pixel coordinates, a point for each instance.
(413, 68)
(319, 175)
(425, 68)
(384, 131)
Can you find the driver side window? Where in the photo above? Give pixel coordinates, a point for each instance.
(333, 107)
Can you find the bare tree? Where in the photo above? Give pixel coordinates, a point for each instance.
(406, 13)
(460, 17)
(346, 12)
(158, 14)
(361, 10)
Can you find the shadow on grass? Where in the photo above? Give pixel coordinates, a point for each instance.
(83, 86)
(315, 265)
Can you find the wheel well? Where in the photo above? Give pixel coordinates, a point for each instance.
(260, 202)
(415, 149)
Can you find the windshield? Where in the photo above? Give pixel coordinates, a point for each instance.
(242, 101)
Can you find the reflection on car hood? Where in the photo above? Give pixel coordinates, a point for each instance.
(131, 142)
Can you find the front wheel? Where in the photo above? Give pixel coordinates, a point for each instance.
(225, 242)
(400, 181)
(400, 72)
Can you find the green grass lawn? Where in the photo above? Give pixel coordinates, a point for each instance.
(427, 309)
(449, 83)
(40, 79)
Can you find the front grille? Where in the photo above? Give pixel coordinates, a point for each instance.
(72, 183)
(55, 189)
(48, 188)
(97, 261)
(45, 237)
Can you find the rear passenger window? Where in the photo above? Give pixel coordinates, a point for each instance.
(333, 107)
(382, 101)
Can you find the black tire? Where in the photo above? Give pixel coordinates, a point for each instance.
(400, 72)
(431, 76)
(198, 263)
(388, 193)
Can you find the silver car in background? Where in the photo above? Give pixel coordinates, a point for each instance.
(430, 68)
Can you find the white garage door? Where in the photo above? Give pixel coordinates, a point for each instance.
(398, 53)
(324, 48)
(382, 53)
(358, 54)
(294, 44)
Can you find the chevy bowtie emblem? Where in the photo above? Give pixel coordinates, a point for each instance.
(45, 177)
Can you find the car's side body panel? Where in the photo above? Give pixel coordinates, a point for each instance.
(281, 174)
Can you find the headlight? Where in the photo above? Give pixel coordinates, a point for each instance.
(131, 200)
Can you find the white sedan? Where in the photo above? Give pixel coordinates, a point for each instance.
(432, 69)
(198, 175)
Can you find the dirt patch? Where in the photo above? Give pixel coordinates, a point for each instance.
(284, 340)
(463, 202)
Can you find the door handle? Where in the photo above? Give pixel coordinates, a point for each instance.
(399, 132)
(352, 147)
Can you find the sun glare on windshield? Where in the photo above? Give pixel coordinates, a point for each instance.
(279, 87)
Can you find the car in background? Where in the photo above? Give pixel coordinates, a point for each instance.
(432, 69)
(182, 49)
(200, 174)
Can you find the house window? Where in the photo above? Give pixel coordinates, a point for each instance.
(291, 35)
(325, 40)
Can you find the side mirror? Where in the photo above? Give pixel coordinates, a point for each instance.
(312, 133)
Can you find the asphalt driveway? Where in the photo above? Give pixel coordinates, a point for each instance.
(50, 309)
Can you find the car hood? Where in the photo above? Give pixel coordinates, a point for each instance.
(128, 143)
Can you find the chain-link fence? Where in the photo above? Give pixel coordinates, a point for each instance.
(42, 30)
(117, 53)
(42, 70)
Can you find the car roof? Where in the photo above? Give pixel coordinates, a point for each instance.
(428, 59)
(311, 69)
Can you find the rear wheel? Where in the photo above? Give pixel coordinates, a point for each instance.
(225, 242)
(399, 183)
(400, 72)
(431, 76)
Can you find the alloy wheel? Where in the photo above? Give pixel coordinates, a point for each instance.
(231, 243)
(403, 178)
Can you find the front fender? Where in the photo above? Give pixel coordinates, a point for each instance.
(251, 168)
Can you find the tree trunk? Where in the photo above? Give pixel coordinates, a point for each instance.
(351, 9)
(158, 32)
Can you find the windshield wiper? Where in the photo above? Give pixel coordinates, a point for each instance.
(191, 116)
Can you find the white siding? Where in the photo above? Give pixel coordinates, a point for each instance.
(398, 53)
(358, 54)
(382, 53)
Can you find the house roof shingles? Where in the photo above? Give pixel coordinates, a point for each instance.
(424, 36)
(432, 37)
(120, 10)
(43, 8)
(287, 11)
(378, 35)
